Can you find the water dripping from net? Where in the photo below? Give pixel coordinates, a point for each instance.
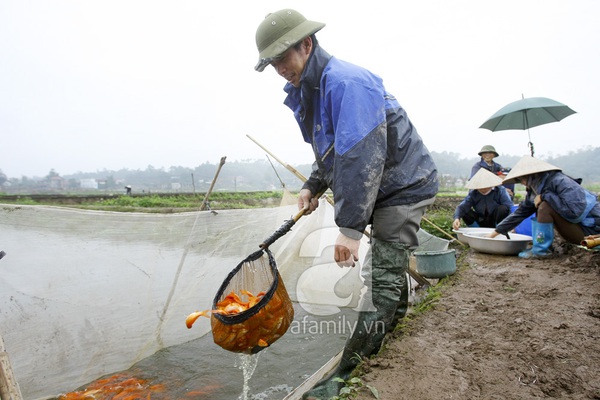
(247, 363)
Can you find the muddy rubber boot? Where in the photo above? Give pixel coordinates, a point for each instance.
(402, 308)
(402, 260)
(543, 236)
(387, 277)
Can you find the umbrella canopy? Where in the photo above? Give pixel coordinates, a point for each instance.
(527, 113)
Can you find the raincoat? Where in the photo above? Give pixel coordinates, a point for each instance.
(366, 149)
(571, 201)
(483, 205)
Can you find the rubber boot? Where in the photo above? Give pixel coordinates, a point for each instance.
(402, 308)
(401, 261)
(543, 236)
(384, 293)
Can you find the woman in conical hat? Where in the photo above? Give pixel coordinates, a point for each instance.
(487, 203)
(559, 201)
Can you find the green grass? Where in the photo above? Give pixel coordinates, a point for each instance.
(158, 203)
(437, 219)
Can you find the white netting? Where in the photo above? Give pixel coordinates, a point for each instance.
(86, 293)
(253, 276)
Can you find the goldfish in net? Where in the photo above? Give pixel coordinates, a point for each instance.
(230, 305)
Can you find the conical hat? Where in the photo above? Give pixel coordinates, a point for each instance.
(528, 165)
(483, 179)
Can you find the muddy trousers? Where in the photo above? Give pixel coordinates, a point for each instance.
(394, 234)
(386, 283)
(572, 233)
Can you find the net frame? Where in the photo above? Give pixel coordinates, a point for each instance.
(251, 275)
(260, 326)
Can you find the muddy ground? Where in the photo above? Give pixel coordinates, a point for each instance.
(504, 328)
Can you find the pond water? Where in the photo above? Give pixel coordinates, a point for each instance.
(200, 369)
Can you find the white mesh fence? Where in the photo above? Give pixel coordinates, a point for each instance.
(86, 293)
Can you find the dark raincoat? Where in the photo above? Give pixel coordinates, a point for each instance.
(366, 149)
(569, 199)
(483, 205)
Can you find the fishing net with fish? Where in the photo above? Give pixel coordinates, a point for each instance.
(261, 324)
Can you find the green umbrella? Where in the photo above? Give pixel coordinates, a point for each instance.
(527, 113)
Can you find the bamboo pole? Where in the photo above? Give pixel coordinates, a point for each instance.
(9, 388)
(193, 185)
(591, 241)
(212, 184)
(275, 170)
(286, 165)
(293, 170)
(443, 231)
(414, 274)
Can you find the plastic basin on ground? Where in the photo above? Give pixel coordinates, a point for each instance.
(460, 233)
(436, 264)
(500, 244)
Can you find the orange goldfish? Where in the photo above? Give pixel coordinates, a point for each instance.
(230, 305)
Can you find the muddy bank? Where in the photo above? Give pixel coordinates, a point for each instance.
(504, 328)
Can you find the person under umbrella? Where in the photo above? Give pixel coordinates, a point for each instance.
(527, 113)
(486, 205)
(487, 154)
(559, 201)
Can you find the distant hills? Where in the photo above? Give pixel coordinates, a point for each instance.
(580, 164)
(256, 175)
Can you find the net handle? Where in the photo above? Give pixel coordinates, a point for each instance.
(287, 225)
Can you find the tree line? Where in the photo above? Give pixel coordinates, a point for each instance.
(254, 175)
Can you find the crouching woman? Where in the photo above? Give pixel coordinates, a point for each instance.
(487, 203)
(560, 202)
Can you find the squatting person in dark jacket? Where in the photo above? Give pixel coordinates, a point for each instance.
(369, 154)
(486, 205)
(560, 202)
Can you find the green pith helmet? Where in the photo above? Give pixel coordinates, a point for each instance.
(488, 149)
(279, 31)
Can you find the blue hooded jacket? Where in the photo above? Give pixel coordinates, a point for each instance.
(366, 149)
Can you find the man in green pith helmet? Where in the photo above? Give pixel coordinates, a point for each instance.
(370, 155)
(487, 154)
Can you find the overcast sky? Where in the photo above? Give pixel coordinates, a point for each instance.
(87, 85)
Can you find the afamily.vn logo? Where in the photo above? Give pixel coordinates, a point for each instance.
(340, 326)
